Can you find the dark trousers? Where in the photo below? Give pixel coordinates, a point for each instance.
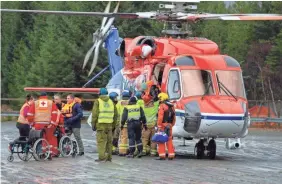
(24, 130)
(134, 130)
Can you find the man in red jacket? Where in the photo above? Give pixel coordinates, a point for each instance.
(43, 113)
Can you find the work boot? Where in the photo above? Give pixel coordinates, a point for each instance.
(109, 160)
(81, 154)
(130, 155)
(144, 153)
(121, 155)
(170, 158)
(99, 160)
(49, 158)
(140, 155)
(160, 158)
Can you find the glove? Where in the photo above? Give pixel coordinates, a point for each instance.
(145, 127)
(94, 128)
(121, 127)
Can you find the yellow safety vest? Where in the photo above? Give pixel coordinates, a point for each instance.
(43, 108)
(151, 111)
(120, 106)
(133, 112)
(140, 102)
(106, 111)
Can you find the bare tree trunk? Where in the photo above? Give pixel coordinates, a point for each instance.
(272, 97)
(262, 81)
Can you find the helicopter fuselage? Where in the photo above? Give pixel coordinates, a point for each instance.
(206, 88)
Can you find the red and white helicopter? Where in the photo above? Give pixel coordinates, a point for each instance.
(206, 87)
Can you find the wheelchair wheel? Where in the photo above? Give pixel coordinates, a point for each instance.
(10, 158)
(66, 146)
(24, 152)
(41, 150)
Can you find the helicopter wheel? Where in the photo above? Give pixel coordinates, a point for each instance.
(211, 149)
(199, 150)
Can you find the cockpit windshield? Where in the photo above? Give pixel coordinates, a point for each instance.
(197, 82)
(233, 81)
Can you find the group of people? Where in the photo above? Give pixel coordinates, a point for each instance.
(52, 116)
(126, 127)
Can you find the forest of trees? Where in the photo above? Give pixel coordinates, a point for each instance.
(48, 50)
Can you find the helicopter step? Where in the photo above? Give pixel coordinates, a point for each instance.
(205, 148)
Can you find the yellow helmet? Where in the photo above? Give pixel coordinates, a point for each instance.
(163, 97)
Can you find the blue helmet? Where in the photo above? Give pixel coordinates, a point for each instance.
(103, 91)
(126, 93)
(113, 95)
(138, 94)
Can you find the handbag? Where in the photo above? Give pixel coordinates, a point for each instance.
(160, 137)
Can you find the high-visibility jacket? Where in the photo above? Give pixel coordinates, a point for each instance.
(133, 112)
(151, 111)
(141, 103)
(43, 111)
(106, 111)
(22, 119)
(120, 106)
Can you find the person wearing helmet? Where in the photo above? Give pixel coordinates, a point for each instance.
(104, 119)
(151, 111)
(165, 122)
(123, 146)
(151, 91)
(140, 101)
(114, 97)
(134, 115)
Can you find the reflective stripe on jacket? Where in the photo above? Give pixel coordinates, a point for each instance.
(133, 112)
(106, 111)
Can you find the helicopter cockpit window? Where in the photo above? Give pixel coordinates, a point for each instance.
(197, 82)
(230, 83)
(173, 87)
(185, 61)
(116, 81)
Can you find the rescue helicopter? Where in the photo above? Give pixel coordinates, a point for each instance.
(206, 88)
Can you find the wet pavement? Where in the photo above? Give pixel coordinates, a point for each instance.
(259, 161)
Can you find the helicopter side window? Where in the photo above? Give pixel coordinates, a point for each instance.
(173, 87)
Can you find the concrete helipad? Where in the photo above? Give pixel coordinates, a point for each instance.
(259, 161)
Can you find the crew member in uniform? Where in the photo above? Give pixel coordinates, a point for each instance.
(134, 115)
(151, 110)
(44, 114)
(113, 96)
(123, 146)
(166, 120)
(104, 119)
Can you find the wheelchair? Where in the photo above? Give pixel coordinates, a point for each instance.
(67, 145)
(32, 146)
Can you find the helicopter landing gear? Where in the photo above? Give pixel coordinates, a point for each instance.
(205, 147)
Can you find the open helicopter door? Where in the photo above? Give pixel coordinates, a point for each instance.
(157, 73)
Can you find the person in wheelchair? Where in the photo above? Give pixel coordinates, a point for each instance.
(44, 115)
(23, 124)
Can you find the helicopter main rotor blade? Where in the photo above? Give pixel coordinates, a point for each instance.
(242, 17)
(142, 15)
(107, 10)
